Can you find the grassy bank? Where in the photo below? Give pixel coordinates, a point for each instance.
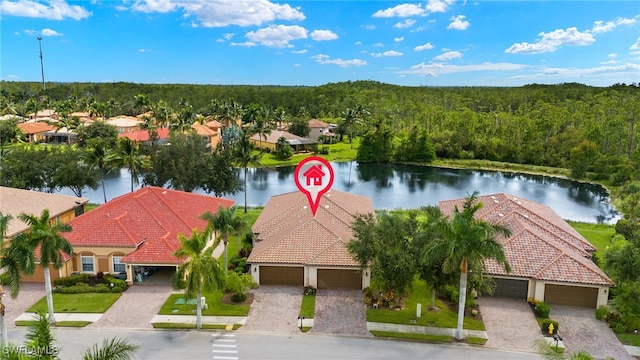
(598, 235)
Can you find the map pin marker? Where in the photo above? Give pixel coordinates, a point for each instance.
(314, 177)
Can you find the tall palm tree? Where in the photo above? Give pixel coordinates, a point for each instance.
(261, 127)
(465, 243)
(42, 234)
(4, 224)
(243, 155)
(129, 155)
(97, 156)
(200, 271)
(224, 223)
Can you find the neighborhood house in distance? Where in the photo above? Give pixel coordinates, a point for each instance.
(550, 261)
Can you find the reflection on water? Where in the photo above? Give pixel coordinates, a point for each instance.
(406, 186)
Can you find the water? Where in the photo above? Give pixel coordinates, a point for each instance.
(406, 186)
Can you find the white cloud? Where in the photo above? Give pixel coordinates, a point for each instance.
(602, 27)
(404, 24)
(387, 53)
(612, 55)
(378, 44)
(50, 32)
(436, 69)
(325, 59)
(220, 13)
(552, 41)
(426, 46)
(636, 45)
(12, 77)
(369, 27)
(121, 8)
(458, 23)
(605, 73)
(402, 10)
(244, 44)
(398, 39)
(144, 50)
(31, 32)
(358, 42)
(439, 5)
(323, 35)
(303, 51)
(51, 10)
(609, 62)
(277, 35)
(449, 55)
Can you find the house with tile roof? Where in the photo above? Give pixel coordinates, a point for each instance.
(319, 128)
(36, 131)
(124, 123)
(550, 261)
(138, 230)
(296, 142)
(293, 247)
(62, 209)
(143, 136)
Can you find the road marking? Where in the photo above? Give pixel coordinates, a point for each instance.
(225, 351)
(225, 340)
(223, 345)
(223, 335)
(226, 357)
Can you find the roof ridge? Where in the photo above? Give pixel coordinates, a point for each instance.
(150, 213)
(338, 241)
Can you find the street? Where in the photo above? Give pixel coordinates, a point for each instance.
(165, 345)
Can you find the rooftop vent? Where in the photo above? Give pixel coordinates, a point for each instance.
(501, 214)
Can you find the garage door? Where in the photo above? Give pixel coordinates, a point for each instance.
(339, 279)
(38, 275)
(571, 295)
(281, 275)
(511, 288)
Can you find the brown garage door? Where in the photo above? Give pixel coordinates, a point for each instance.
(281, 275)
(340, 279)
(571, 295)
(38, 275)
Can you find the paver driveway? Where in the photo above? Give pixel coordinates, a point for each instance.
(274, 308)
(510, 324)
(580, 330)
(340, 312)
(29, 294)
(135, 308)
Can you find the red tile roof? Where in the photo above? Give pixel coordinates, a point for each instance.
(315, 123)
(147, 220)
(287, 232)
(143, 135)
(35, 127)
(542, 245)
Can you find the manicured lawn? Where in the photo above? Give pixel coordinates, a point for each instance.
(214, 302)
(308, 307)
(629, 339)
(337, 152)
(421, 294)
(599, 235)
(78, 303)
(422, 337)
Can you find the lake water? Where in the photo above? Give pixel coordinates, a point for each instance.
(405, 186)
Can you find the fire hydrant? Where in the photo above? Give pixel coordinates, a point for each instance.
(551, 329)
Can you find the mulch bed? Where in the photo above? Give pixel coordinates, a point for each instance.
(226, 299)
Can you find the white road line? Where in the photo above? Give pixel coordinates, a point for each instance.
(225, 340)
(223, 335)
(223, 345)
(226, 357)
(225, 351)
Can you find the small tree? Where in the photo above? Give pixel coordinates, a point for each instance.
(239, 285)
(283, 149)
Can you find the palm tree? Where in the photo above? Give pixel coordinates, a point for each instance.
(244, 156)
(261, 127)
(200, 271)
(42, 234)
(142, 102)
(129, 155)
(224, 223)
(4, 223)
(97, 156)
(465, 243)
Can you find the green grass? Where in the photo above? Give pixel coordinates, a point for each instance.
(502, 166)
(251, 216)
(214, 302)
(304, 329)
(629, 339)
(599, 235)
(58, 324)
(341, 151)
(95, 303)
(308, 307)
(422, 294)
(421, 337)
(162, 325)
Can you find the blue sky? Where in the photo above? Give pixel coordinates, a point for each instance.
(262, 42)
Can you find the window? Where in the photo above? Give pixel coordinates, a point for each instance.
(118, 266)
(87, 263)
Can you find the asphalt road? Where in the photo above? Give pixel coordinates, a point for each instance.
(161, 345)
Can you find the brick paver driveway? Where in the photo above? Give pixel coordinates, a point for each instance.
(29, 294)
(510, 324)
(580, 330)
(340, 312)
(274, 308)
(135, 308)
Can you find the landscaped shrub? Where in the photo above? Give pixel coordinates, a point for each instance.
(71, 280)
(542, 309)
(544, 326)
(238, 298)
(602, 312)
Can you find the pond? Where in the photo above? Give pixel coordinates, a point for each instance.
(407, 186)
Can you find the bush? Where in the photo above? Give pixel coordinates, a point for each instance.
(542, 309)
(71, 280)
(238, 298)
(602, 312)
(545, 326)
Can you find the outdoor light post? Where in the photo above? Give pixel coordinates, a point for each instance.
(300, 318)
(44, 87)
(557, 339)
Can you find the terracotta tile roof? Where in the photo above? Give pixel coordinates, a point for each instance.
(204, 130)
(16, 201)
(124, 121)
(143, 135)
(35, 127)
(542, 245)
(148, 219)
(315, 123)
(287, 232)
(213, 124)
(277, 134)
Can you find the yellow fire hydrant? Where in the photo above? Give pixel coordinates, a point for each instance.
(551, 329)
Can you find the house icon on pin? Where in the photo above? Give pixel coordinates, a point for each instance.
(314, 175)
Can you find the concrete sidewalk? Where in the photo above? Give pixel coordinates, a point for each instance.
(427, 330)
(63, 317)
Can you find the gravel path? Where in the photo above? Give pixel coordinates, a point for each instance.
(135, 308)
(340, 312)
(510, 324)
(580, 330)
(274, 308)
